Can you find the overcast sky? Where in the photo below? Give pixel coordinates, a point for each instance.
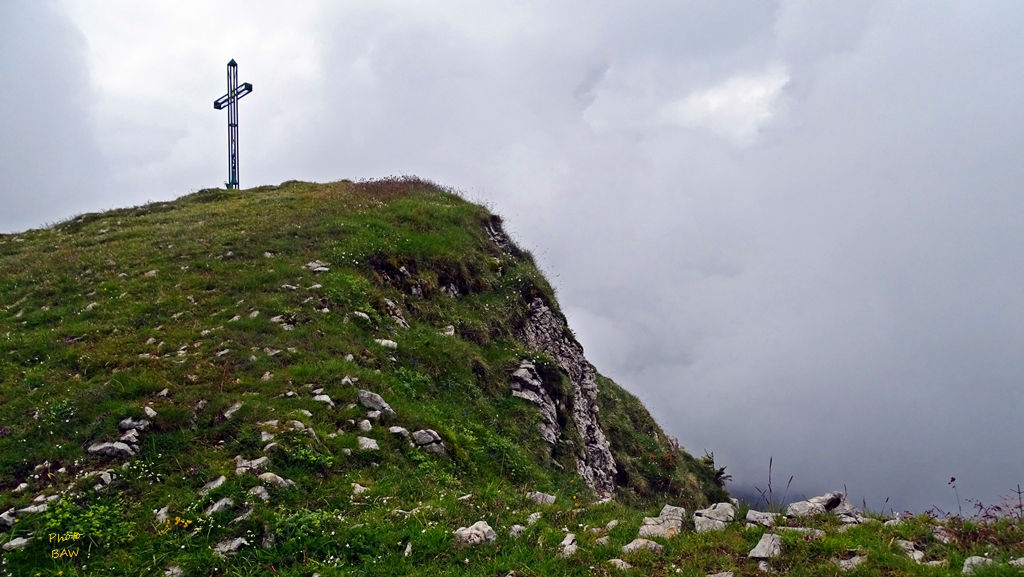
(793, 229)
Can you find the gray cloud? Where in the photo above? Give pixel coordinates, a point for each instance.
(791, 228)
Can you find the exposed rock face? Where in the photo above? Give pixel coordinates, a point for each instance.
(548, 334)
(475, 534)
(527, 384)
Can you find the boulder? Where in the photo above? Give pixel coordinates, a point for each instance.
(475, 534)
(910, 549)
(400, 431)
(972, 563)
(769, 547)
(213, 485)
(7, 519)
(243, 466)
(116, 449)
(229, 547)
(667, 524)
(219, 506)
(367, 444)
(1018, 562)
(763, 519)
(639, 544)
(541, 498)
(705, 524)
(568, 546)
(429, 441)
(374, 402)
(816, 505)
(273, 479)
(16, 544)
(259, 492)
(724, 512)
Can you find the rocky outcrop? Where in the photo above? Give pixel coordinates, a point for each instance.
(527, 384)
(547, 333)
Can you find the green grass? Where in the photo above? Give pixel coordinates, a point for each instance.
(88, 338)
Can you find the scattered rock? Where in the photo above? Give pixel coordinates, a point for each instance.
(429, 441)
(622, 565)
(816, 505)
(763, 519)
(174, 571)
(910, 549)
(396, 313)
(724, 512)
(722, 574)
(667, 524)
(1018, 562)
(163, 393)
(232, 409)
(7, 519)
(516, 531)
(943, 535)
(448, 331)
(32, 509)
(260, 492)
(365, 426)
(972, 563)
(273, 479)
(540, 498)
(769, 547)
(213, 485)
(611, 525)
(475, 534)
(602, 540)
(705, 524)
(400, 431)
(150, 273)
(366, 444)
(229, 547)
(533, 518)
(161, 514)
(373, 401)
(358, 489)
(149, 411)
(324, 399)
(568, 546)
(851, 563)
(639, 544)
(317, 266)
(219, 506)
(386, 343)
(16, 544)
(116, 449)
(243, 466)
(130, 423)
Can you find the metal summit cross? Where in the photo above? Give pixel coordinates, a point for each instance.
(230, 101)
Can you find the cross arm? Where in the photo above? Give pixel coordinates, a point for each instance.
(239, 92)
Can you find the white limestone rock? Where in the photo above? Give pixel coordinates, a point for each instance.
(667, 524)
(640, 544)
(476, 534)
(763, 519)
(769, 547)
(229, 547)
(972, 563)
(622, 565)
(568, 546)
(540, 498)
(367, 444)
(374, 402)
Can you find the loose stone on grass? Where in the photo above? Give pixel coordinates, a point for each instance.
(476, 534)
(769, 547)
(367, 444)
(537, 496)
(640, 544)
(667, 524)
(972, 563)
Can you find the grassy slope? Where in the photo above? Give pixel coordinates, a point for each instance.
(77, 309)
(70, 371)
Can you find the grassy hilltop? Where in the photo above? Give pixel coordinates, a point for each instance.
(210, 297)
(190, 388)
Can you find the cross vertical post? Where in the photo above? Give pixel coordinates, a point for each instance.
(230, 101)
